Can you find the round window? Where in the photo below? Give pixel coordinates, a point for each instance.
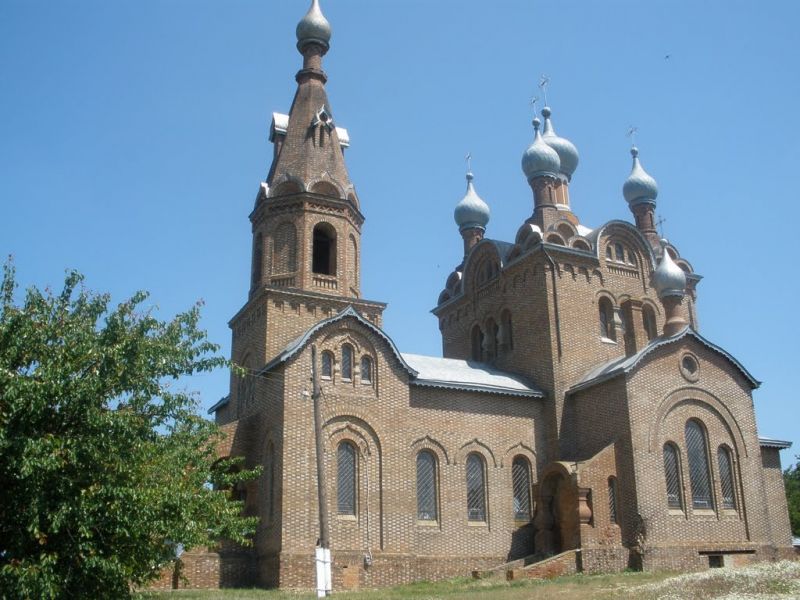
(690, 369)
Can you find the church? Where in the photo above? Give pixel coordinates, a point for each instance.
(577, 414)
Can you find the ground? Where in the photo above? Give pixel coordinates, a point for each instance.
(760, 582)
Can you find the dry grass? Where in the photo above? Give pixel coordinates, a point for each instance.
(760, 582)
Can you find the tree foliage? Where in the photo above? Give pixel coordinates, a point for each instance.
(791, 478)
(104, 465)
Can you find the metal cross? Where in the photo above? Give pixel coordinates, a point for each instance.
(660, 224)
(543, 84)
(533, 102)
(632, 131)
(468, 158)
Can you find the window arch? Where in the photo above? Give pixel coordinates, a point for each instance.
(347, 362)
(726, 477)
(521, 484)
(697, 453)
(476, 488)
(323, 255)
(612, 500)
(366, 369)
(477, 343)
(346, 466)
(327, 364)
(606, 314)
(672, 473)
(258, 260)
(649, 321)
(427, 508)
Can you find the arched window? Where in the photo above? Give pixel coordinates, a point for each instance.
(323, 255)
(619, 252)
(726, 477)
(609, 253)
(346, 479)
(606, 314)
(327, 364)
(506, 331)
(697, 452)
(258, 260)
(426, 486)
(270, 473)
(477, 343)
(347, 362)
(672, 473)
(476, 488)
(612, 499)
(366, 369)
(284, 254)
(649, 321)
(521, 483)
(492, 333)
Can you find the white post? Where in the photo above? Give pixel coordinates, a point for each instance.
(327, 563)
(320, 564)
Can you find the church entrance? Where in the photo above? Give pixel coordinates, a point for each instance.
(556, 521)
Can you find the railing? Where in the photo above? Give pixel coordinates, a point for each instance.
(625, 271)
(282, 281)
(325, 281)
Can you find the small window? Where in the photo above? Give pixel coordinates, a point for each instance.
(492, 331)
(476, 488)
(506, 331)
(366, 369)
(726, 477)
(672, 473)
(346, 479)
(606, 314)
(649, 322)
(426, 486)
(258, 260)
(689, 364)
(327, 365)
(619, 251)
(477, 343)
(612, 499)
(697, 452)
(323, 255)
(609, 253)
(631, 258)
(347, 362)
(521, 483)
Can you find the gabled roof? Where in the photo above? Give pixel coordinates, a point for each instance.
(626, 364)
(765, 442)
(450, 373)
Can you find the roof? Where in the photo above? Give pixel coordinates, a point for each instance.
(766, 442)
(450, 373)
(626, 364)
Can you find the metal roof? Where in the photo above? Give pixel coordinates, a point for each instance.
(766, 442)
(450, 373)
(622, 365)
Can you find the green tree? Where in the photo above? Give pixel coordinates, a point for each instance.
(104, 465)
(791, 478)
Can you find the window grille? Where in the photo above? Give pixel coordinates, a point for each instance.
(476, 489)
(671, 470)
(521, 483)
(612, 499)
(327, 364)
(347, 362)
(366, 369)
(698, 465)
(426, 486)
(346, 479)
(726, 477)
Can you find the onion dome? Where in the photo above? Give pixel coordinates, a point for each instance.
(540, 159)
(668, 279)
(313, 28)
(472, 211)
(639, 187)
(566, 150)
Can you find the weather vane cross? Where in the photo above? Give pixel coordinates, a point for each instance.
(632, 131)
(533, 102)
(543, 83)
(468, 158)
(660, 225)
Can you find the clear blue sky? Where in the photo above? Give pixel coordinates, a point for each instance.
(133, 138)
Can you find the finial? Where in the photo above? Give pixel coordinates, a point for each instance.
(543, 82)
(632, 131)
(468, 158)
(634, 152)
(546, 112)
(313, 28)
(536, 123)
(660, 225)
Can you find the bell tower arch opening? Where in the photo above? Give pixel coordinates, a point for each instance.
(323, 252)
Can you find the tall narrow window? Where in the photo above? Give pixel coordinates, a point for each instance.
(476, 488)
(258, 260)
(672, 473)
(492, 332)
(323, 255)
(346, 479)
(477, 343)
(327, 364)
(649, 321)
(521, 482)
(606, 314)
(619, 251)
(426, 486)
(697, 452)
(612, 499)
(347, 362)
(726, 477)
(366, 369)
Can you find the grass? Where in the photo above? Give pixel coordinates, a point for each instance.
(759, 582)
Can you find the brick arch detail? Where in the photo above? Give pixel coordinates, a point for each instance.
(520, 449)
(475, 445)
(693, 394)
(429, 443)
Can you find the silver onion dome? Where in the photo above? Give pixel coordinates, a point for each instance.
(668, 279)
(313, 28)
(472, 211)
(639, 187)
(566, 150)
(540, 159)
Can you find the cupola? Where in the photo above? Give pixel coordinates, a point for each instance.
(566, 150)
(540, 159)
(313, 28)
(639, 187)
(668, 278)
(471, 211)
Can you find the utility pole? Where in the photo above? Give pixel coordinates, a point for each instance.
(323, 553)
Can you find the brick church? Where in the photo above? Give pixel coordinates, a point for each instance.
(577, 412)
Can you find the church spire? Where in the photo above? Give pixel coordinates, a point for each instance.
(309, 148)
